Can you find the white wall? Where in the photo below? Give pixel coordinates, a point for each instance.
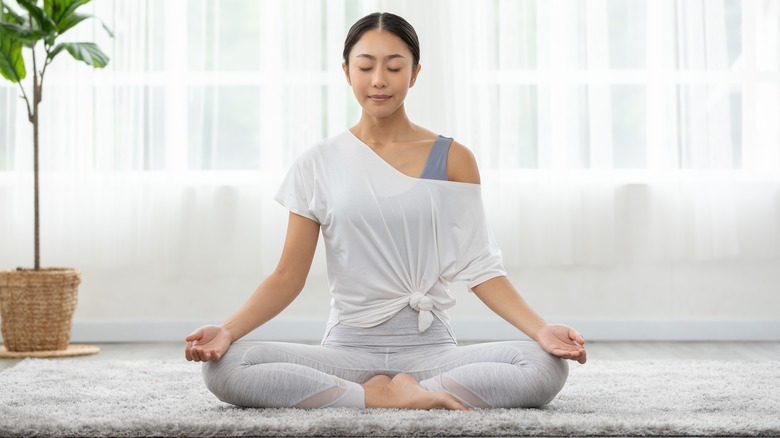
(706, 302)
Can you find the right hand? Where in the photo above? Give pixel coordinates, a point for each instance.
(207, 343)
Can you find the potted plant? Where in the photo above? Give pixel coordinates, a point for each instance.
(37, 304)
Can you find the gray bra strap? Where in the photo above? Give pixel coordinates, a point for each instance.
(436, 166)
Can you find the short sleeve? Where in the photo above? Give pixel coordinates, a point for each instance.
(297, 193)
(468, 252)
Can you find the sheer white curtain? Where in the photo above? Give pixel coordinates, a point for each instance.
(621, 131)
(607, 132)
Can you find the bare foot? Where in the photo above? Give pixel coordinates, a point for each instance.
(403, 392)
(378, 381)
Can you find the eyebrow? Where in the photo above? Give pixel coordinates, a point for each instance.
(366, 55)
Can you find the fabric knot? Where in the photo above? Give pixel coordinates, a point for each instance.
(424, 305)
(420, 302)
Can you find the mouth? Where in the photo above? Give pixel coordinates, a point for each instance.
(379, 97)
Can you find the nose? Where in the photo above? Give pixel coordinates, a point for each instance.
(378, 78)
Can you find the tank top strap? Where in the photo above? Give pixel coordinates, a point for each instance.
(436, 166)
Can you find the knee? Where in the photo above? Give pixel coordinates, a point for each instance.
(225, 378)
(540, 377)
(534, 379)
(240, 377)
(217, 378)
(551, 373)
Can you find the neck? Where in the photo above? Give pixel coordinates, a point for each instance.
(391, 129)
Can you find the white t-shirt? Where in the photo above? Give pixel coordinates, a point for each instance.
(391, 240)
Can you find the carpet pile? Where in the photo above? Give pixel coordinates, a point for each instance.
(73, 397)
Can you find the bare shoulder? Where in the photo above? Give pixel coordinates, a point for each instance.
(462, 165)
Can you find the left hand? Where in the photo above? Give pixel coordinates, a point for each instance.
(562, 341)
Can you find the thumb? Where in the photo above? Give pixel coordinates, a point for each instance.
(196, 335)
(576, 337)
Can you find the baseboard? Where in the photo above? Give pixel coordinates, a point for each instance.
(466, 329)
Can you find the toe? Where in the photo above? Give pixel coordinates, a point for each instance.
(451, 403)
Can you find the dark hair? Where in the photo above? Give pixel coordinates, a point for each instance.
(385, 21)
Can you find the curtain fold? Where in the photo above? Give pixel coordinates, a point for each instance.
(605, 133)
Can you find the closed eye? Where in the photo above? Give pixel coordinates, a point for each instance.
(391, 69)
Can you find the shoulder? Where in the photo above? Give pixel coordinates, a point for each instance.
(461, 164)
(318, 153)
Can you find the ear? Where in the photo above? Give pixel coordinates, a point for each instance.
(414, 75)
(346, 72)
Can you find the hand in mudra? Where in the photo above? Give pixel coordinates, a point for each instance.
(563, 342)
(207, 343)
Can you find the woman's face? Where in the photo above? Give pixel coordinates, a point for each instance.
(380, 72)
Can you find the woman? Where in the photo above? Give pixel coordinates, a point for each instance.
(401, 215)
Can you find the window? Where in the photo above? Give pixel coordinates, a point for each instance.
(600, 85)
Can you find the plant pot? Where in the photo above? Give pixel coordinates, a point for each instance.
(37, 308)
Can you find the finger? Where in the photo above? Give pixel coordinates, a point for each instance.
(566, 354)
(213, 355)
(571, 354)
(574, 336)
(578, 355)
(569, 347)
(574, 346)
(194, 336)
(187, 353)
(195, 353)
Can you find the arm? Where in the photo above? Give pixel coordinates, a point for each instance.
(499, 294)
(502, 298)
(277, 291)
(272, 296)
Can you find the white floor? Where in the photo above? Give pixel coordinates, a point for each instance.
(596, 350)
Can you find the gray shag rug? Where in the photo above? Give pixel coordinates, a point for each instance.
(72, 397)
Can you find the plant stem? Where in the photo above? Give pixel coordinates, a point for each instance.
(36, 100)
(27, 102)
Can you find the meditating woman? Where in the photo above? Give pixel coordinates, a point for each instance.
(401, 214)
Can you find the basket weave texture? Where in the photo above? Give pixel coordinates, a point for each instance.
(37, 308)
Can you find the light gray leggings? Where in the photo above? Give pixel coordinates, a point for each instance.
(276, 374)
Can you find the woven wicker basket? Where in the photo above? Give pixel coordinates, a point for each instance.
(37, 308)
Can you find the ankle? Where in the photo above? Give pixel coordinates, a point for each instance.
(376, 396)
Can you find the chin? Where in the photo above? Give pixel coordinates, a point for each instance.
(382, 115)
(380, 112)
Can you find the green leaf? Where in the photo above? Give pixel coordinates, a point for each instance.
(60, 9)
(10, 16)
(44, 22)
(89, 53)
(27, 36)
(11, 61)
(111, 34)
(63, 13)
(69, 21)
